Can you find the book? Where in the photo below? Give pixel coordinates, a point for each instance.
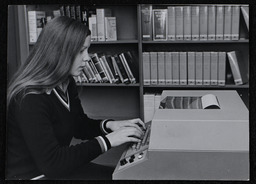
(110, 29)
(179, 22)
(132, 61)
(191, 68)
(239, 71)
(117, 71)
(199, 68)
(62, 11)
(206, 68)
(219, 22)
(78, 13)
(183, 68)
(161, 68)
(72, 12)
(99, 67)
(175, 68)
(159, 24)
(235, 22)
(35, 24)
(93, 27)
(85, 16)
(105, 70)
(211, 22)
(245, 13)
(153, 68)
(168, 68)
(101, 13)
(109, 72)
(214, 68)
(122, 70)
(187, 22)
(95, 71)
(146, 68)
(67, 10)
(112, 68)
(171, 22)
(221, 68)
(195, 22)
(56, 13)
(208, 101)
(127, 68)
(146, 21)
(89, 73)
(227, 22)
(149, 106)
(203, 22)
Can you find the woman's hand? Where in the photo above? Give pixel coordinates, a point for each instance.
(125, 134)
(136, 123)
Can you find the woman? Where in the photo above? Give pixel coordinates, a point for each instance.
(44, 111)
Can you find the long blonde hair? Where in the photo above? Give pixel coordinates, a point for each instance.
(50, 61)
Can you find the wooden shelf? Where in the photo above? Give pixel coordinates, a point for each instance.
(115, 42)
(108, 85)
(196, 41)
(227, 86)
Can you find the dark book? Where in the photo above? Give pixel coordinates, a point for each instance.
(133, 61)
(72, 12)
(95, 71)
(110, 75)
(78, 12)
(159, 24)
(121, 70)
(146, 21)
(99, 67)
(124, 60)
(67, 10)
(62, 10)
(112, 68)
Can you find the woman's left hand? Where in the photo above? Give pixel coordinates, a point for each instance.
(115, 125)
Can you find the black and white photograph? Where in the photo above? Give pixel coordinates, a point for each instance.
(129, 91)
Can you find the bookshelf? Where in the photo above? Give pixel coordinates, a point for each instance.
(121, 101)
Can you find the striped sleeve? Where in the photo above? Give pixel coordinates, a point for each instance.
(103, 127)
(104, 143)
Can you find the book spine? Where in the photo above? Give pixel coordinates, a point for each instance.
(203, 14)
(227, 22)
(99, 67)
(146, 68)
(93, 28)
(105, 70)
(72, 12)
(183, 68)
(101, 13)
(233, 61)
(211, 22)
(214, 68)
(95, 71)
(221, 68)
(191, 68)
(62, 10)
(171, 23)
(121, 69)
(85, 16)
(175, 68)
(206, 68)
(235, 22)
(109, 72)
(32, 26)
(110, 28)
(179, 22)
(161, 68)
(90, 72)
(127, 68)
(219, 22)
(245, 12)
(168, 68)
(195, 22)
(199, 68)
(112, 68)
(78, 13)
(153, 68)
(67, 10)
(187, 22)
(146, 21)
(159, 24)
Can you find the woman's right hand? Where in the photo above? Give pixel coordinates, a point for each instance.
(125, 134)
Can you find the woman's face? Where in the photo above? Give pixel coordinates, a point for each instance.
(81, 58)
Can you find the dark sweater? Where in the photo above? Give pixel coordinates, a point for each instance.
(39, 132)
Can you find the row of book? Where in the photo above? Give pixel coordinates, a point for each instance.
(191, 68)
(193, 22)
(117, 68)
(100, 21)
